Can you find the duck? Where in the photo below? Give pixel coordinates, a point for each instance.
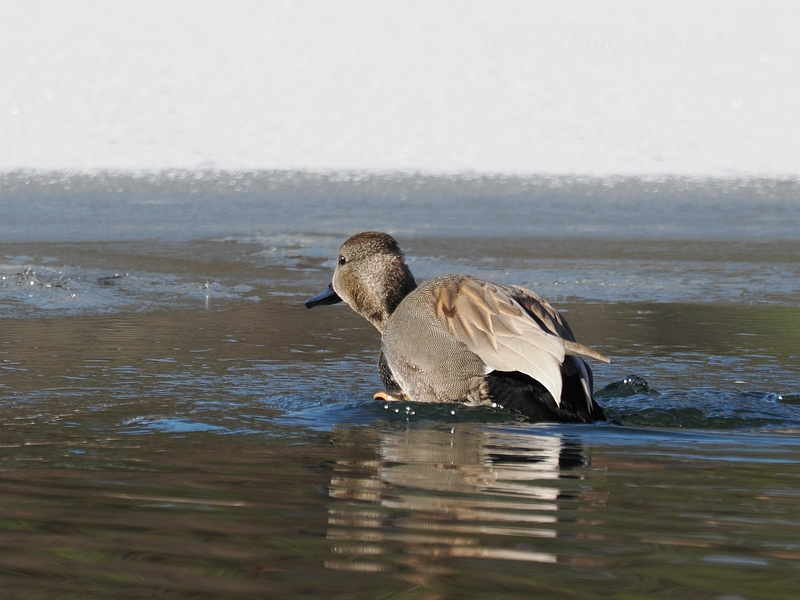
(460, 339)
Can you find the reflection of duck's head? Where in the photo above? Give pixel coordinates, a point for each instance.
(457, 338)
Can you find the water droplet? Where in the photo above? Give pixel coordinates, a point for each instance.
(736, 103)
(376, 83)
(15, 110)
(48, 94)
(764, 56)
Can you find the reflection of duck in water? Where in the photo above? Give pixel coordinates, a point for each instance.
(460, 339)
(468, 492)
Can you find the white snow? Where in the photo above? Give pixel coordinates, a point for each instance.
(590, 87)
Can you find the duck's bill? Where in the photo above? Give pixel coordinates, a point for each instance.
(326, 297)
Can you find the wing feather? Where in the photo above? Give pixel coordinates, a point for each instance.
(494, 326)
(513, 329)
(576, 349)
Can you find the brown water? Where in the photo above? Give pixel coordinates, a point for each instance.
(175, 424)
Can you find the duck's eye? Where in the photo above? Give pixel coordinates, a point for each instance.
(342, 260)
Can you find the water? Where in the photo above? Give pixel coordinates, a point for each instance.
(174, 423)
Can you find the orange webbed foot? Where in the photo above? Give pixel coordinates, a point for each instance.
(387, 397)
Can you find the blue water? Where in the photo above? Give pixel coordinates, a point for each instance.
(174, 421)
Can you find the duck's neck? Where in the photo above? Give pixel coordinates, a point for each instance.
(398, 283)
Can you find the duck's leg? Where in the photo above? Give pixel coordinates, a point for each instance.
(393, 392)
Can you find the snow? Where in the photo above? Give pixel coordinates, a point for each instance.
(583, 87)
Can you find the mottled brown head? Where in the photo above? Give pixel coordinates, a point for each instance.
(372, 276)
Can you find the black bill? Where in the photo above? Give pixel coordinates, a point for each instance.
(326, 297)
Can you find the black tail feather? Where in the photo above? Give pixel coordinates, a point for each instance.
(522, 394)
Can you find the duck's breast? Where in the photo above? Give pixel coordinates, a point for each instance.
(427, 361)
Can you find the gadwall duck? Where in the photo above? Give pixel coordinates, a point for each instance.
(457, 338)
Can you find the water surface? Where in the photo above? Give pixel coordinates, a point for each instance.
(174, 423)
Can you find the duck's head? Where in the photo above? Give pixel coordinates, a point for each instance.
(371, 276)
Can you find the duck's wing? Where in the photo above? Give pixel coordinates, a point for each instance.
(494, 326)
(551, 320)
